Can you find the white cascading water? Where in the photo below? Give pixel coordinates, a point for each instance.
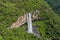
(29, 22)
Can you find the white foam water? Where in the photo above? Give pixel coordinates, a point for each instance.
(30, 29)
(29, 22)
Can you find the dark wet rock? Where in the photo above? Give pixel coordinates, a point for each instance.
(36, 32)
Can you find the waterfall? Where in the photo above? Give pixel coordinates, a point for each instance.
(29, 23)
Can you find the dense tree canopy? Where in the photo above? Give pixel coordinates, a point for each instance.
(55, 4)
(10, 10)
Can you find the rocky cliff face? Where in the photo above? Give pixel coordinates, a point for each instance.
(23, 19)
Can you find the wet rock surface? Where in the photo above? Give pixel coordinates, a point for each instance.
(36, 32)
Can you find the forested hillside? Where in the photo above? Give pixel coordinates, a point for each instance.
(55, 4)
(10, 10)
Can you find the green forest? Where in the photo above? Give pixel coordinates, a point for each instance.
(55, 5)
(10, 10)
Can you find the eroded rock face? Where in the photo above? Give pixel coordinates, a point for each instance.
(22, 20)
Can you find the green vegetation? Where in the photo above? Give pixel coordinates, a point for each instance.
(55, 4)
(10, 10)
